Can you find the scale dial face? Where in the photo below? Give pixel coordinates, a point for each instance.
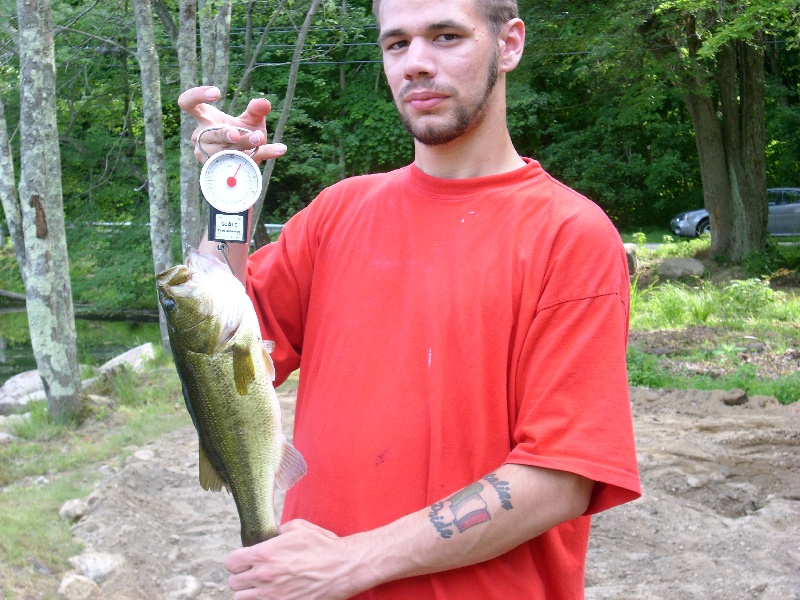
(230, 181)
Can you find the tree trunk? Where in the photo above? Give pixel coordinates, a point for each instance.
(729, 128)
(47, 285)
(740, 75)
(192, 221)
(287, 106)
(222, 49)
(208, 47)
(154, 146)
(732, 152)
(8, 194)
(215, 35)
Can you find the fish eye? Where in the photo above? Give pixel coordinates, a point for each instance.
(169, 304)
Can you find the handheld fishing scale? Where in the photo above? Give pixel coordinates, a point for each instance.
(231, 183)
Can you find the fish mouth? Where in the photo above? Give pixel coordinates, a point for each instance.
(174, 276)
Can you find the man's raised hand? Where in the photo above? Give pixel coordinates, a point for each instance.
(194, 102)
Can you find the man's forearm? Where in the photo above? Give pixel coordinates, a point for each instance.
(486, 519)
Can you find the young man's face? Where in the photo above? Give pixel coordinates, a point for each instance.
(440, 59)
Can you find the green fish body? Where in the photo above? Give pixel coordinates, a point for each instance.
(226, 374)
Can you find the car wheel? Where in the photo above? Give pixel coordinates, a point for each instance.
(704, 226)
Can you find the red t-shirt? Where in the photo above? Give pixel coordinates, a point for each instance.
(442, 328)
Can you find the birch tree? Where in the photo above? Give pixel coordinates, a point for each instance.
(47, 284)
(192, 213)
(154, 146)
(8, 194)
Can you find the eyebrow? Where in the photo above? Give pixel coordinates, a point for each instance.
(400, 32)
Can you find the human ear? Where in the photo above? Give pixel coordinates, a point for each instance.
(512, 43)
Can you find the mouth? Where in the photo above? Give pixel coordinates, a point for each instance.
(422, 100)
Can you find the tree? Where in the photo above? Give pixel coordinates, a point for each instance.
(192, 222)
(46, 273)
(154, 144)
(714, 53)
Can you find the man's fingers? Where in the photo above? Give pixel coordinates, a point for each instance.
(256, 112)
(269, 151)
(191, 101)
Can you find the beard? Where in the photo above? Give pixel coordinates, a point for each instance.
(464, 116)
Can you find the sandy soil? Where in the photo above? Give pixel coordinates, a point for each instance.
(720, 518)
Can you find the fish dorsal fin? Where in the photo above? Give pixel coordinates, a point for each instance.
(292, 467)
(266, 347)
(210, 479)
(244, 372)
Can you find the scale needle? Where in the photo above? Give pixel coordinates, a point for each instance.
(232, 179)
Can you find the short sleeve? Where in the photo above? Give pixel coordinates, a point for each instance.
(573, 407)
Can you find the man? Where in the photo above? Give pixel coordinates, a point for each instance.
(460, 325)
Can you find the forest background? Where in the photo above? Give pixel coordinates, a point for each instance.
(589, 101)
(617, 100)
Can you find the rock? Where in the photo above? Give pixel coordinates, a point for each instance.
(6, 438)
(675, 268)
(182, 586)
(134, 358)
(144, 454)
(74, 510)
(632, 254)
(78, 587)
(18, 391)
(97, 566)
(730, 397)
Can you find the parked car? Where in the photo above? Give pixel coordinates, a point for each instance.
(784, 215)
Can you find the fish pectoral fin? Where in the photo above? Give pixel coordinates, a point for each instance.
(210, 479)
(244, 371)
(268, 359)
(291, 468)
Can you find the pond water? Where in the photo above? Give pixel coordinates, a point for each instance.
(98, 341)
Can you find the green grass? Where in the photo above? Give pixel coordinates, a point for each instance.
(646, 370)
(737, 304)
(739, 307)
(52, 463)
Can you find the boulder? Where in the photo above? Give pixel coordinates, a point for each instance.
(74, 510)
(133, 358)
(78, 587)
(182, 587)
(732, 397)
(675, 268)
(19, 390)
(97, 566)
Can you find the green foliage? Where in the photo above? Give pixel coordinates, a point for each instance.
(646, 370)
(772, 259)
(674, 305)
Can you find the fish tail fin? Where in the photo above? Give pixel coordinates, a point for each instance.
(291, 468)
(244, 371)
(210, 479)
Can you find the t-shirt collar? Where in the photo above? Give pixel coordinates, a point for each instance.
(443, 188)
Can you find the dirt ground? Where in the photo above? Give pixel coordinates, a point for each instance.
(719, 519)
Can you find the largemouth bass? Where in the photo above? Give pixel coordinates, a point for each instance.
(226, 374)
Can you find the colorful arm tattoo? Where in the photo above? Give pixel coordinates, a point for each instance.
(468, 507)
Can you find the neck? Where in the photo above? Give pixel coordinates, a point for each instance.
(485, 150)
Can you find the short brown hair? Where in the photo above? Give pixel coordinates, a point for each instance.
(497, 12)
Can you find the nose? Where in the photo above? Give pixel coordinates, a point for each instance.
(419, 60)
